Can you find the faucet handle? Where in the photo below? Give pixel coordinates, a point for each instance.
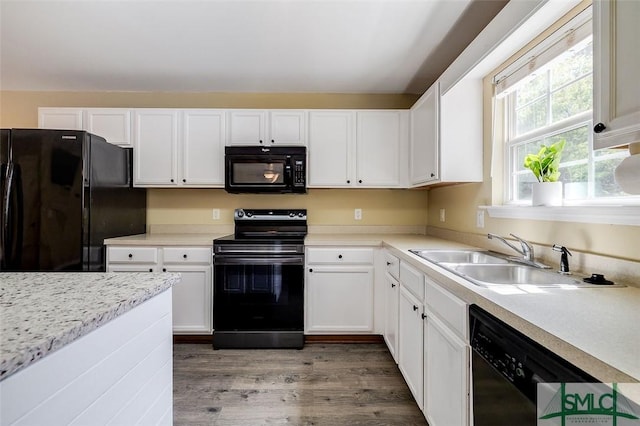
(527, 249)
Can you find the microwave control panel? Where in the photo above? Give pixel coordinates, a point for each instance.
(298, 172)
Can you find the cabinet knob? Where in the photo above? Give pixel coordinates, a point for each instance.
(171, 180)
(599, 128)
(433, 175)
(415, 308)
(339, 256)
(423, 316)
(184, 180)
(348, 181)
(388, 263)
(150, 269)
(360, 181)
(272, 141)
(130, 255)
(310, 270)
(392, 285)
(164, 269)
(260, 140)
(184, 256)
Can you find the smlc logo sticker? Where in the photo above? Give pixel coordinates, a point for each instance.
(563, 404)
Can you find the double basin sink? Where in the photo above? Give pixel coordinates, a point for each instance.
(486, 269)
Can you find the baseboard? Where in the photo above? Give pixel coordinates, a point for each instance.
(308, 339)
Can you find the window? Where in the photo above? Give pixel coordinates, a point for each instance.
(550, 101)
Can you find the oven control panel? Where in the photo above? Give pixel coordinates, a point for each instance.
(268, 215)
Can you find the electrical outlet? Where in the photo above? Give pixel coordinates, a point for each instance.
(442, 215)
(480, 219)
(216, 214)
(357, 214)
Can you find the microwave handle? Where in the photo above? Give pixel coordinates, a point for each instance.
(288, 174)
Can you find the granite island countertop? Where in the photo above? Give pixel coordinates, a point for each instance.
(42, 312)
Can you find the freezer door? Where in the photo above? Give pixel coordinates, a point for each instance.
(46, 208)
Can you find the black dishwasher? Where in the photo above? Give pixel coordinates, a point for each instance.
(506, 367)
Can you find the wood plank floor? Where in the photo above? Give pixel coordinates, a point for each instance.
(322, 384)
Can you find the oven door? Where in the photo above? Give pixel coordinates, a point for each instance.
(259, 293)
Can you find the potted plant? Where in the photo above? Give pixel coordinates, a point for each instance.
(545, 167)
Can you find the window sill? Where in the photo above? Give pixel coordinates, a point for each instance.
(611, 215)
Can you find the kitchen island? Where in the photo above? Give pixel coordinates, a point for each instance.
(85, 347)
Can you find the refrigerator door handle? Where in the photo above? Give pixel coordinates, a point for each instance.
(6, 204)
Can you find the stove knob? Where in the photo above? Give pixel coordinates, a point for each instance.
(292, 214)
(300, 214)
(249, 214)
(240, 213)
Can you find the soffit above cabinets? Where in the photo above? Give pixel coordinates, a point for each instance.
(268, 46)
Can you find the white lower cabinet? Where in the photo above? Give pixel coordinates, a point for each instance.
(339, 291)
(391, 300)
(446, 359)
(192, 297)
(411, 343)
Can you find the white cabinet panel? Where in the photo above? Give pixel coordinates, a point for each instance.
(378, 148)
(616, 60)
(340, 256)
(156, 147)
(446, 376)
(60, 118)
(392, 292)
(331, 146)
(203, 141)
(247, 127)
(410, 343)
(424, 137)
(113, 124)
(192, 299)
(288, 127)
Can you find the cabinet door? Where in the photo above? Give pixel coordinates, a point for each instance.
(446, 378)
(60, 118)
(113, 124)
(410, 343)
(331, 146)
(192, 299)
(287, 127)
(378, 139)
(392, 290)
(616, 59)
(156, 146)
(424, 135)
(246, 127)
(203, 137)
(339, 299)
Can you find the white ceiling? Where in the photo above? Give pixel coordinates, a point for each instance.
(328, 46)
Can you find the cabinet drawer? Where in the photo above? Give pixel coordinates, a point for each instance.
(182, 255)
(447, 307)
(412, 280)
(132, 254)
(340, 256)
(392, 265)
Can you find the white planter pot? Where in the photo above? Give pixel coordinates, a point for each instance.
(546, 194)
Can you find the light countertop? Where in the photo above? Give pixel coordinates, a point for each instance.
(43, 312)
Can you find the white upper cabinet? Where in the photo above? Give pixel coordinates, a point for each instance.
(447, 135)
(616, 62)
(155, 154)
(331, 145)
(267, 127)
(203, 140)
(424, 137)
(113, 124)
(357, 149)
(60, 118)
(379, 145)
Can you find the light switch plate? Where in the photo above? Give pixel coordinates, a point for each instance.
(480, 219)
(216, 214)
(442, 215)
(357, 214)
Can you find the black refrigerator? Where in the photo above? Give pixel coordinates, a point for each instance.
(63, 192)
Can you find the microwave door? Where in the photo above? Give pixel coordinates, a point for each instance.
(259, 174)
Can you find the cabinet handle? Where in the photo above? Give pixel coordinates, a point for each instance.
(423, 316)
(164, 269)
(415, 308)
(184, 256)
(339, 256)
(392, 285)
(130, 256)
(599, 128)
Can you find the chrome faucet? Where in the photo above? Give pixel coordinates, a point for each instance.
(526, 251)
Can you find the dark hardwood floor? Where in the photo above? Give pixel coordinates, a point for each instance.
(322, 384)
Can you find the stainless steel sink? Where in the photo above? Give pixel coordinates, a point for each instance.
(512, 274)
(460, 256)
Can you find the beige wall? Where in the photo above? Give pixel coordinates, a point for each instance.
(461, 203)
(194, 206)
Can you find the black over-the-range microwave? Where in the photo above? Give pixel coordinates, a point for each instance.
(264, 169)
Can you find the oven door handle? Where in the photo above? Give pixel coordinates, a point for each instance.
(220, 260)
